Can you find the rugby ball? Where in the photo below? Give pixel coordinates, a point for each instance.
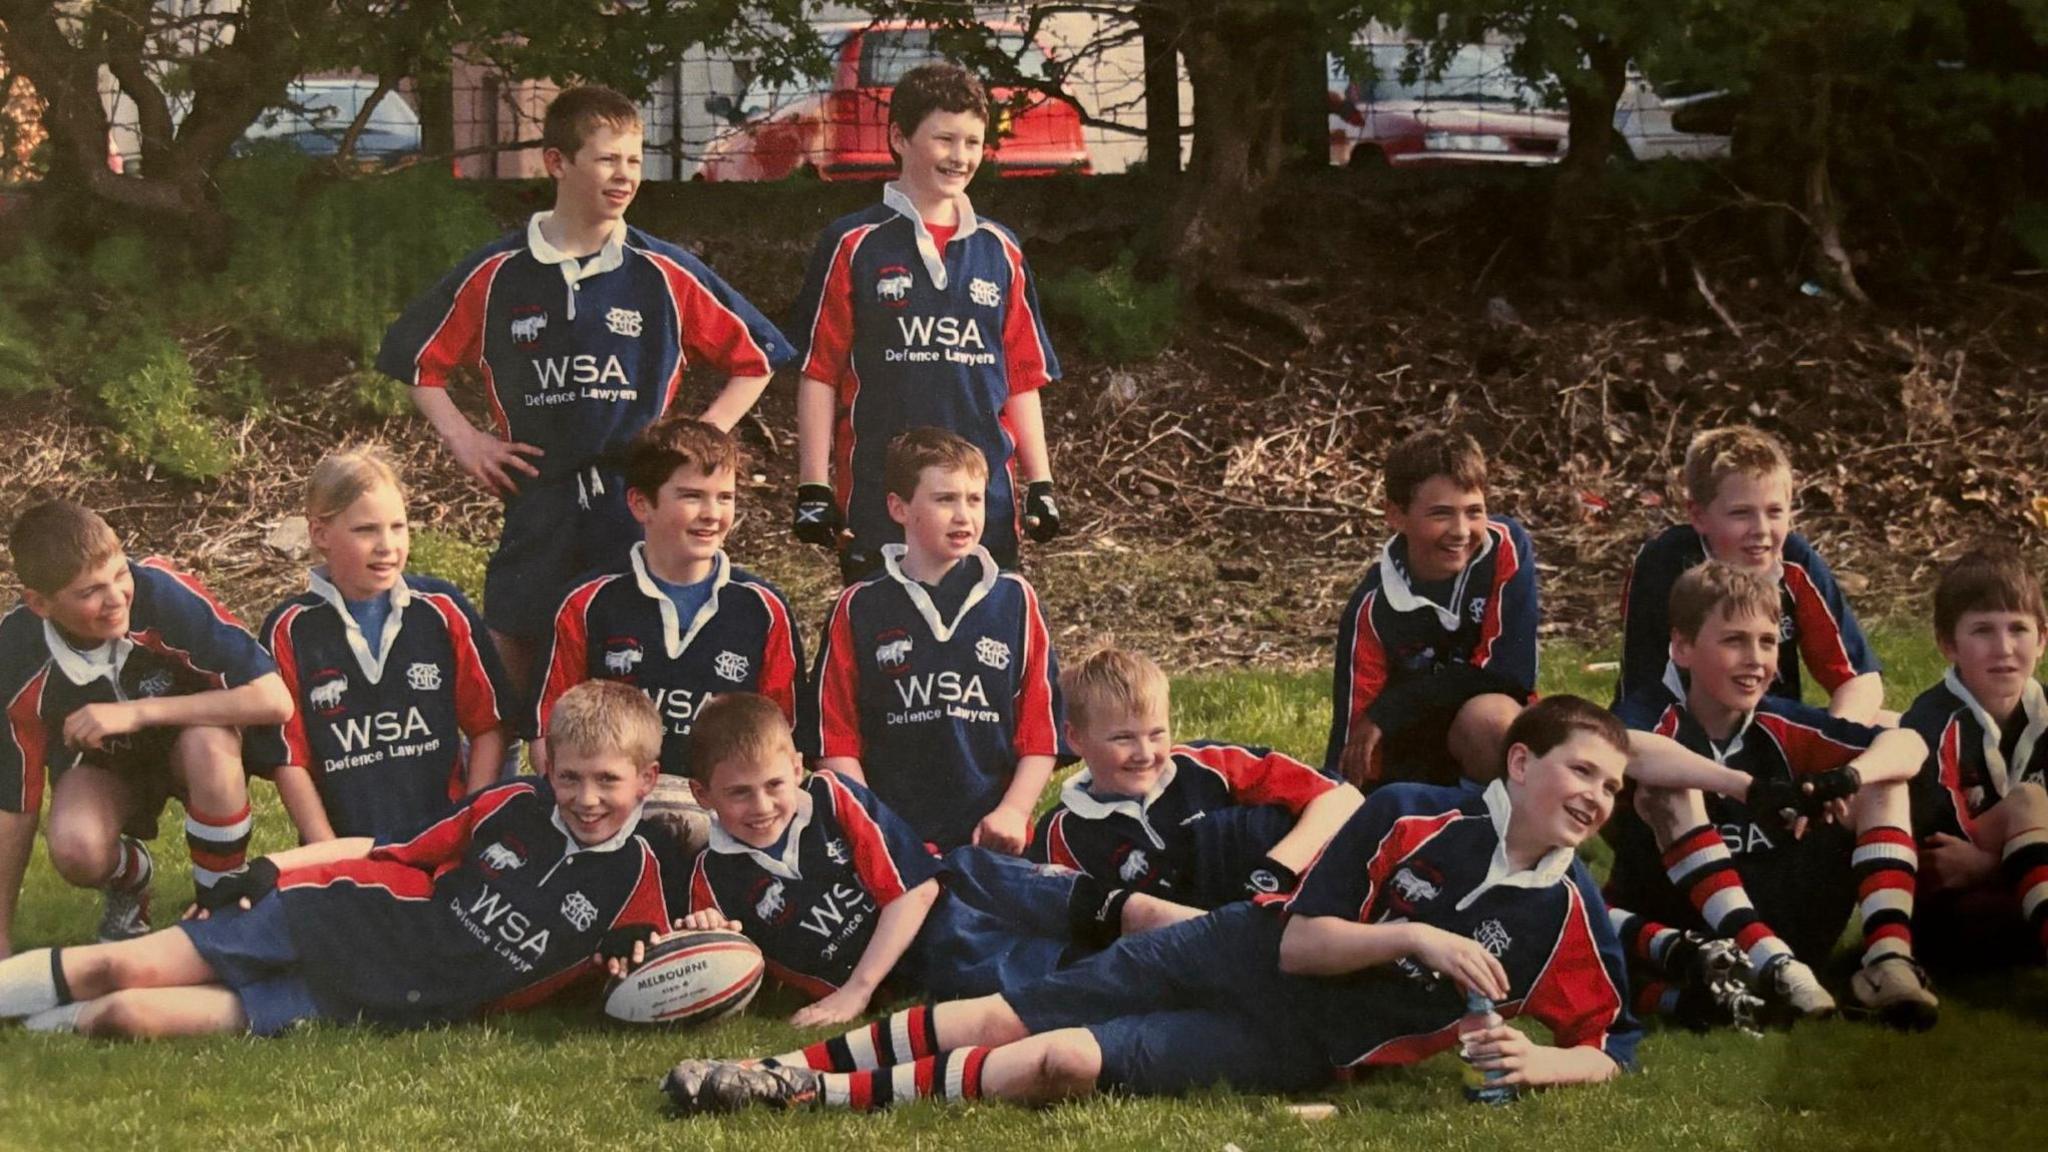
(688, 978)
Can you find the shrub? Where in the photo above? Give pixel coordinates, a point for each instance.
(153, 406)
(451, 558)
(1120, 317)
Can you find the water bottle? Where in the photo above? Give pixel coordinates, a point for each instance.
(1481, 1086)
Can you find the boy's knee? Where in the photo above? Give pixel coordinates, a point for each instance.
(1071, 1063)
(206, 751)
(2026, 807)
(84, 856)
(1478, 732)
(986, 1021)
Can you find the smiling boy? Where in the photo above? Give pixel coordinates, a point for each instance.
(124, 683)
(1426, 896)
(580, 326)
(1978, 803)
(681, 622)
(452, 922)
(1739, 504)
(1436, 650)
(917, 312)
(936, 683)
(1791, 820)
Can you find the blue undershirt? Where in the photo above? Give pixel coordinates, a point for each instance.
(370, 616)
(688, 598)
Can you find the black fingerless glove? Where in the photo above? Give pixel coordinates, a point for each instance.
(1269, 878)
(1774, 804)
(252, 882)
(1823, 787)
(1041, 515)
(816, 519)
(618, 943)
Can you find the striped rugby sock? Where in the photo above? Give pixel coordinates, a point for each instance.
(1886, 864)
(899, 1038)
(954, 1075)
(1644, 939)
(219, 843)
(133, 870)
(1701, 866)
(2025, 864)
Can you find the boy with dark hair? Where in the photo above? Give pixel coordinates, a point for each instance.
(936, 682)
(1739, 500)
(1786, 820)
(1436, 650)
(682, 623)
(453, 922)
(1979, 806)
(919, 312)
(124, 683)
(1427, 897)
(842, 896)
(580, 327)
(1201, 824)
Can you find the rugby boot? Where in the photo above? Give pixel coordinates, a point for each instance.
(1791, 992)
(124, 910)
(699, 1087)
(1895, 990)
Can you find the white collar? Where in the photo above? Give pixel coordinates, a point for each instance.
(1401, 597)
(1548, 871)
(575, 269)
(674, 637)
(927, 248)
(618, 838)
(102, 661)
(785, 865)
(1076, 797)
(942, 630)
(2033, 705)
(1674, 683)
(400, 595)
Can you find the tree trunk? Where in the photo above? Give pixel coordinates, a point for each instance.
(1157, 39)
(1240, 71)
(1823, 211)
(1591, 93)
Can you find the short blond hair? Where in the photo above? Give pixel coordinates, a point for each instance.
(743, 726)
(1735, 591)
(1109, 682)
(343, 476)
(605, 717)
(1718, 453)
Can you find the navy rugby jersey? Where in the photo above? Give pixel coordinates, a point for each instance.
(813, 906)
(495, 907)
(381, 736)
(1815, 624)
(623, 627)
(1973, 762)
(1213, 814)
(181, 641)
(1395, 629)
(578, 355)
(937, 711)
(909, 336)
(1436, 856)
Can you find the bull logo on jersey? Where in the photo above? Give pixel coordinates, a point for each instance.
(1413, 883)
(1135, 867)
(528, 322)
(621, 656)
(423, 677)
(984, 292)
(503, 856)
(623, 322)
(892, 651)
(1492, 936)
(155, 684)
(731, 666)
(993, 653)
(579, 911)
(772, 905)
(892, 287)
(326, 694)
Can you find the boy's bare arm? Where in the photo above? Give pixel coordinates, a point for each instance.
(1662, 762)
(1027, 426)
(817, 406)
(264, 700)
(1006, 828)
(735, 400)
(486, 757)
(1508, 1050)
(482, 457)
(1859, 698)
(895, 929)
(302, 803)
(1331, 946)
(325, 852)
(1319, 821)
(1896, 754)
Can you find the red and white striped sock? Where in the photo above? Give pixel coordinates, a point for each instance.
(898, 1038)
(219, 843)
(1886, 864)
(954, 1075)
(1701, 866)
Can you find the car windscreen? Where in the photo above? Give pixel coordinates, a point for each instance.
(1475, 73)
(328, 109)
(886, 54)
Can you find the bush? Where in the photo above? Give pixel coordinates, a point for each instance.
(153, 406)
(451, 558)
(1121, 318)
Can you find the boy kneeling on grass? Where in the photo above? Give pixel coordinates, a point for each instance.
(1427, 896)
(457, 921)
(841, 895)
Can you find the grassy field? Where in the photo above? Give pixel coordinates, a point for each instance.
(562, 1079)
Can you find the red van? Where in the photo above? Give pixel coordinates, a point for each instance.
(838, 127)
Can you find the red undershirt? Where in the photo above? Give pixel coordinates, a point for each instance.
(942, 234)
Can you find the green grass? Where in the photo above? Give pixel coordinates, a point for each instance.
(561, 1078)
